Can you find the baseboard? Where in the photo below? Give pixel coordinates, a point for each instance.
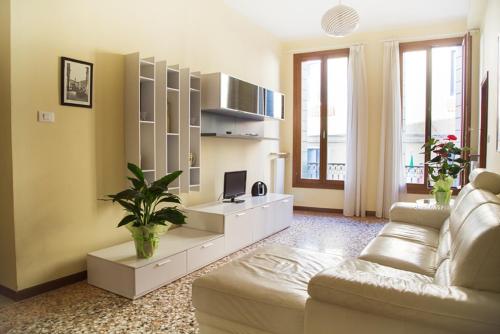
(44, 287)
(327, 210)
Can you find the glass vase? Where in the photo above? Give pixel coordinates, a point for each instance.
(442, 197)
(147, 238)
(442, 190)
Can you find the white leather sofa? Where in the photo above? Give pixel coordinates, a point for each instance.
(428, 271)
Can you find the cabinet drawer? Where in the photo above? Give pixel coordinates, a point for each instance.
(159, 273)
(284, 214)
(239, 230)
(264, 221)
(202, 255)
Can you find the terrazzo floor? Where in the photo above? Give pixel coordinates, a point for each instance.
(81, 308)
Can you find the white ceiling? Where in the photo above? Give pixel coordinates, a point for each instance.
(290, 19)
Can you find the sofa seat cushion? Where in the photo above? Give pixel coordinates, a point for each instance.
(401, 254)
(266, 289)
(417, 233)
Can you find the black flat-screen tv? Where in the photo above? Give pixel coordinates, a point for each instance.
(235, 185)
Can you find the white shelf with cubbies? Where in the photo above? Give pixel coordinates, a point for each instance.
(168, 121)
(140, 113)
(190, 134)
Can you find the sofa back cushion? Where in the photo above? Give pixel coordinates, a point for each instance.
(475, 250)
(473, 238)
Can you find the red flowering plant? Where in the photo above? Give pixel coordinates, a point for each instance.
(445, 165)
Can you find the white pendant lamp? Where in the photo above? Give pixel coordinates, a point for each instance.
(340, 21)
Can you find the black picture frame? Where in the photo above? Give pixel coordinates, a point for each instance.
(76, 91)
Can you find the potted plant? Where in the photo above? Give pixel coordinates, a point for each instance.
(147, 219)
(444, 167)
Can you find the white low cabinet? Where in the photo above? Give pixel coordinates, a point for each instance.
(212, 231)
(181, 251)
(243, 223)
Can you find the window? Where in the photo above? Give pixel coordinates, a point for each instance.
(433, 102)
(320, 119)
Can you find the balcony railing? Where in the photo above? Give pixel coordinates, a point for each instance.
(336, 171)
(414, 174)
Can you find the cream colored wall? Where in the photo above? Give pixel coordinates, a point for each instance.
(61, 169)
(490, 30)
(373, 55)
(7, 248)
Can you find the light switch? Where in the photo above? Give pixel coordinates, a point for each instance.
(46, 116)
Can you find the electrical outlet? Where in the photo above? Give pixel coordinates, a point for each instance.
(46, 117)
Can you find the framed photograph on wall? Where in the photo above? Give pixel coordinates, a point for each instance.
(76, 83)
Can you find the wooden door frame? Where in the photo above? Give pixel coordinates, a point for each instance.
(483, 135)
(427, 46)
(297, 180)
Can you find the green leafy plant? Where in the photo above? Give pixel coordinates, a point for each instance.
(147, 216)
(142, 199)
(448, 161)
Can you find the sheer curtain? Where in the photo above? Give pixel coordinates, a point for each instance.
(355, 183)
(391, 182)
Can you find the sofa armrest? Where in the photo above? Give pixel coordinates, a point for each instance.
(372, 288)
(411, 213)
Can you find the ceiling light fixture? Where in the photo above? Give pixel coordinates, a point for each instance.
(340, 21)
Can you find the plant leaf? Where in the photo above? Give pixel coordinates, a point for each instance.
(129, 206)
(171, 214)
(126, 220)
(136, 171)
(138, 184)
(166, 180)
(128, 194)
(170, 198)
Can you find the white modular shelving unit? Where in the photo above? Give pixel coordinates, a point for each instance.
(140, 113)
(190, 129)
(168, 122)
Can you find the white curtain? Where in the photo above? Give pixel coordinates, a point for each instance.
(391, 181)
(355, 183)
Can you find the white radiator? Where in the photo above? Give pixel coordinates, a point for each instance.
(278, 175)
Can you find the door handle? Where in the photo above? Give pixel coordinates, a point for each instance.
(159, 264)
(285, 201)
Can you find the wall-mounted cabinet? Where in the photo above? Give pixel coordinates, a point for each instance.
(190, 129)
(229, 96)
(167, 121)
(273, 104)
(140, 113)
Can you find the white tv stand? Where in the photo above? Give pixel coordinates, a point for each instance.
(213, 230)
(243, 223)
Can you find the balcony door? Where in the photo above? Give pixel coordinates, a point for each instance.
(320, 119)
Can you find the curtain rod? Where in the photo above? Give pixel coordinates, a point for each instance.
(425, 37)
(325, 48)
(398, 39)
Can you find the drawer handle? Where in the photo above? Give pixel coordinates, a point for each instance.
(265, 206)
(241, 214)
(285, 201)
(159, 264)
(207, 245)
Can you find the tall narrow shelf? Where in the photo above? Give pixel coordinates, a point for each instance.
(190, 130)
(140, 113)
(167, 121)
